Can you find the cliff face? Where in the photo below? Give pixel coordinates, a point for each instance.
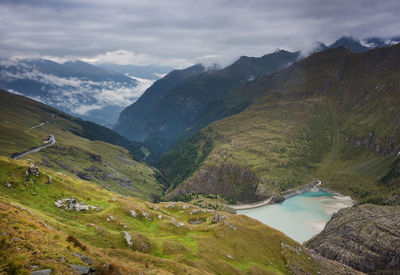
(365, 237)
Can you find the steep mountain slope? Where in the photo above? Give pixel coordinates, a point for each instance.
(122, 235)
(179, 106)
(332, 116)
(77, 88)
(82, 148)
(365, 237)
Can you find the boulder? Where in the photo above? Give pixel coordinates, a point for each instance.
(83, 270)
(128, 238)
(218, 218)
(83, 258)
(133, 213)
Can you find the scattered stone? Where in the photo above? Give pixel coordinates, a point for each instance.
(172, 205)
(113, 199)
(230, 256)
(159, 217)
(49, 179)
(184, 207)
(5, 233)
(83, 270)
(296, 249)
(179, 224)
(73, 204)
(133, 213)
(146, 216)
(218, 218)
(128, 238)
(83, 258)
(110, 219)
(7, 184)
(41, 272)
(16, 239)
(32, 266)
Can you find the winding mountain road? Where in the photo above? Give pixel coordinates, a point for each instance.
(52, 142)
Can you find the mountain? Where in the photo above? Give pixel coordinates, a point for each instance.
(176, 107)
(151, 72)
(83, 149)
(78, 88)
(358, 46)
(332, 116)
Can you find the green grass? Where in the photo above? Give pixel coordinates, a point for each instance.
(115, 168)
(194, 248)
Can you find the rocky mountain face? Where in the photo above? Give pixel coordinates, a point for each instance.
(333, 115)
(78, 88)
(365, 237)
(173, 103)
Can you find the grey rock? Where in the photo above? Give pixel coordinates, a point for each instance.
(83, 270)
(128, 238)
(83, 258)
(7, 184)
(133, 213)
(365, 237)
(41, 272)
(49, 179)
(73, 204)
(33, 170)
(218, 218)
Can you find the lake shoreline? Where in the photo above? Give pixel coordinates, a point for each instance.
(286, 195)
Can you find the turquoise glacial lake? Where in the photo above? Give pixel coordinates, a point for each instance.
(302, 216)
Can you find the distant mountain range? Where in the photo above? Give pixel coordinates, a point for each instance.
(185, 101)
(90, 92)
(151, 72)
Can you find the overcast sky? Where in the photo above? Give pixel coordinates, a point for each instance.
(180, 33)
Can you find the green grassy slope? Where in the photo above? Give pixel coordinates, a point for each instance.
(332, 116)
(165, 242)
(80, 147)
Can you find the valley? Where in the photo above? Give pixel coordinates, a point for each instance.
(279, 164)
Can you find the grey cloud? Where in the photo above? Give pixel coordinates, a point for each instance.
(178, 33)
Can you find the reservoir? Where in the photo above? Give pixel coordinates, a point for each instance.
(302, 216)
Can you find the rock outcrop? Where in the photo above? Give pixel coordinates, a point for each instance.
(73, 204)
(32, 170)
(365, 237)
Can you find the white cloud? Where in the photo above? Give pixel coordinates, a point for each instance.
(84, 109)
(79, 96)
